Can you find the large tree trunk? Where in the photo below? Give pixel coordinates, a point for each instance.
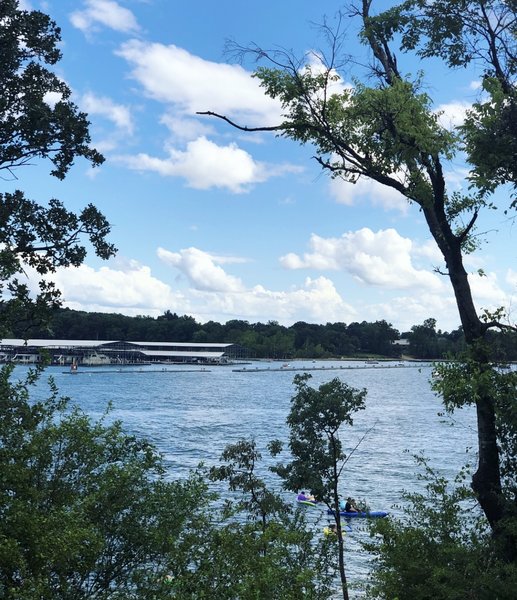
(486, 481)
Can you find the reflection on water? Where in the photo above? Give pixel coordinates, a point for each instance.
(190, 416)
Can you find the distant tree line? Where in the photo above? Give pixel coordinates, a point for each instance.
(268, 340)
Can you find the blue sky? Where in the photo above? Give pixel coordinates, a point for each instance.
(223, 225)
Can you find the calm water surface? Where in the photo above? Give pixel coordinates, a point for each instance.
(191, 416)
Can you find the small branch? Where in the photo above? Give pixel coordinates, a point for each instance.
(241, 127)
(468, 228)
(498, 325)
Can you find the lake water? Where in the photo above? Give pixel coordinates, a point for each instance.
(190, 415)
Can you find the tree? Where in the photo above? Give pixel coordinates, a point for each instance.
(41, 239)
(483, 33)
(87, 511)
(386, 130)
(277, 556)
(423, 340)
(239, 470)
(34, 126)
(439, 548)
(315, 421)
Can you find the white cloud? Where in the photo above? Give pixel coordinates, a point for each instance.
(201, 270)
(377, 194)
(408, 310)
(486, 290)
(452, 114)
(316, 301)
(336, 84)
(189, 83)
(204, 165)
(127, 288)
(214, 295)
(52, 98)
(381, 259)
(511, 278)
(185, 128)
(208, 292)
(430, 251)
(118, 114)
(224, 296)
(186, 84)
(104, 12)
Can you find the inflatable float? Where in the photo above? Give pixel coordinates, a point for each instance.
(306, 500)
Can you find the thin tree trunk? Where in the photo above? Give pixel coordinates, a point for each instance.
(337, 517)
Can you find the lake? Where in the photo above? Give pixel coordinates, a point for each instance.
(191, 414)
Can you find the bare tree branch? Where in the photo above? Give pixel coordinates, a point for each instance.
(241, 127)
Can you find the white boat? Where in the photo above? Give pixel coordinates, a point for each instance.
(95, 359)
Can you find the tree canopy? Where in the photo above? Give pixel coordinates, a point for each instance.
(39, 121)
(38, 118)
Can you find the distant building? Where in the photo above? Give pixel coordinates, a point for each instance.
(96, 352)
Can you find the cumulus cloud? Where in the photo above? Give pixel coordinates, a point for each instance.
(511, 277)
(317, 300)
(408, 310)
(189, 83)
(106, 13)
(316, 65)
(486, 290)
(452, 114)
(186, 129)
(201, 270)
(351, 194)
(217, 293)
(127, 288)
(428, 250)
(214, 294)
(52, 98)
(204, 165)
(118, 114)
(186, 84)
(130, 288)
(207, 292)
(381, 259)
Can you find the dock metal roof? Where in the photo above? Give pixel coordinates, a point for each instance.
(38, 343)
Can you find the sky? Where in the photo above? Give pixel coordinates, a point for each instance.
(219, 224)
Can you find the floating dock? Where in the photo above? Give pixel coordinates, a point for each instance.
(325, 368)
(90, 370)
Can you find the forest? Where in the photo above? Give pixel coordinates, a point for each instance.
(269, 340)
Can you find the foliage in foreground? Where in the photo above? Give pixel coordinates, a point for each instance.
(87, 512)
(442, 548)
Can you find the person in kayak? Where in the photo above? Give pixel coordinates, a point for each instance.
(303, 497)
(350, 505)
